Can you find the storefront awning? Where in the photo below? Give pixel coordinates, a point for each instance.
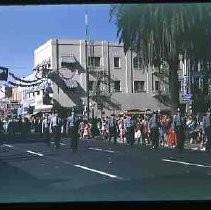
(68, 61)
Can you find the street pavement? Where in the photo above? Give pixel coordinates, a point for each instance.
(31, 171)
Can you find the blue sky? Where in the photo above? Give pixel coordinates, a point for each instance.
(24, 28)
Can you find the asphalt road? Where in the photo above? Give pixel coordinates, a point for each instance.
(33, 172)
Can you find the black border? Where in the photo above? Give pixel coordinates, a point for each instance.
(186, 204)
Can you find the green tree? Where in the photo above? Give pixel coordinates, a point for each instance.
(160, 32)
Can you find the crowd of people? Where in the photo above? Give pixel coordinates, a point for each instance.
(156, 129)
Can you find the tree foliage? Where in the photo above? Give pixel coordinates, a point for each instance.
(160, 32)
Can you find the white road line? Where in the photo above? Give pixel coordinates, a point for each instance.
(62, 144)
(98, 149)
(99, 172)
(35, 153)
(109, 151)
(186, 163)
(7, 145)
(78, 166)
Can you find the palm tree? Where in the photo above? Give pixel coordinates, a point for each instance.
(160, 32)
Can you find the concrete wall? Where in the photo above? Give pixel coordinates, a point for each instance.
(56, 49)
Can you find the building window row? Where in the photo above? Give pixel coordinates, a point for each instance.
(96, 62)
(139, 86)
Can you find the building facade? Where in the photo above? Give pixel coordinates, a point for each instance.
(115, 80)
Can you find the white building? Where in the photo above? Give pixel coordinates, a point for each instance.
(124, 82)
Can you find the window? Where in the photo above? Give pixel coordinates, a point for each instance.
(91, 85)
(116, 62)
(137, 63)
(157, 84)
(117, 86)
(94, 61)
(68, 61)
(139, 86)
(31, 95)
(180, 85)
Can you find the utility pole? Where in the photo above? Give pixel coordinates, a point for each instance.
(87, 69)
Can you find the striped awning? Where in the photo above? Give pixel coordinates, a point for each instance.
(68, 61)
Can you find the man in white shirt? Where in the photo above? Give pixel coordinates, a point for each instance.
(46, 128)
(55, 126)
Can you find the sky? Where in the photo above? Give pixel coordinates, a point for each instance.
(25, 28)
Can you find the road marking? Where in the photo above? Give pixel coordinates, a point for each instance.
(109, 151)
(99, 172)
(98, 149)
(7, 145)
(62, 144)
(35, 153)
(69, 163)
(186, 163)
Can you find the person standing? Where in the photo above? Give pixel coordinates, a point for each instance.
(207, 130)
(130, 130)
(55, 126)
(179, 128)
(46, 128)
(154, 130)
(113, 129)
(72, 127)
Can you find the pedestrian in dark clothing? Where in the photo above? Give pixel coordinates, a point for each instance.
(129, 125)
(72, 127)
(179, 128)
(26, 127)
(113, 129)
(2, 131)
(154, 130)
(11, 128)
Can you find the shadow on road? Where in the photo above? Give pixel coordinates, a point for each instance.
(18, 186)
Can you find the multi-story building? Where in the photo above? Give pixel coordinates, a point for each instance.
(116, 80)
(32, 96)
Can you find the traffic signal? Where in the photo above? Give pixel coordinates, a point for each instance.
(3, 73)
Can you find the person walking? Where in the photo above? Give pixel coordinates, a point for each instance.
(55, 126)
(207, 130)
(113, 129)
(130, 130)
(154, 130)
(72, 127)
(46, 128)
(179, 128)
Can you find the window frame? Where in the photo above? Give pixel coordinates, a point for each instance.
(137, 90)
(119, 62)
(157, 84)
(139, 63)
(92, 63)
(115, 82)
